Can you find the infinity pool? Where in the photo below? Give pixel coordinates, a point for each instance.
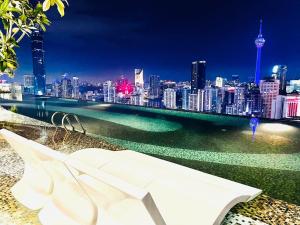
(220, 145)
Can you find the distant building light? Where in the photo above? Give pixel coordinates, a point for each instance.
(275, 69)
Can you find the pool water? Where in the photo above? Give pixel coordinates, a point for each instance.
(220, 145)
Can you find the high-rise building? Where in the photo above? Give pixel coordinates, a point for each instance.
(66, 85)
(211, 96)
(154, 86)
(240, 100)
(56, 89)
(269, 90)
(259, 42)
(185, 98)
(109, 91)
(286, 106)
(291, 106)
(279, 72)
(28, 84)
(201, 99)
(254, 102)
(139, 78)
(38, 60)
(170, 98)
(198, 78)
(193, 102)
(75, 85)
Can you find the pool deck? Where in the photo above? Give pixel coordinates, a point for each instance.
(262, 210)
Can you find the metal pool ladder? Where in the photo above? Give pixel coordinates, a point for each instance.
(66, 117)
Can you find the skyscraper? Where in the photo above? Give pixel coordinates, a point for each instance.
(38, 61)
(170, 98)
(109, 91)
(198, 76)
(185, 98)
(66, 85)
(269, 90)
(259, 42)
(154, 86)
(75, 91)
(139, 78)
(279, 72)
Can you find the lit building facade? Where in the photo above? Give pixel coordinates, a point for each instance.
(286, 106)
(254, 102)
(75, 86)
(269, 90)
(154, 82)
(291, 106)
(109, 91)
(66, 85)
(38, 60)
(169, 98)
(193, 102)
(185, 98)
(139, 78)
(239, 100)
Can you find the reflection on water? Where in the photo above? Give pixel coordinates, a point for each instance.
(184, 130)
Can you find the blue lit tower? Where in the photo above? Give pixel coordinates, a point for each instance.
(38, 61)
(259, 42)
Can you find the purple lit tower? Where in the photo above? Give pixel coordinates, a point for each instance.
(259, 42)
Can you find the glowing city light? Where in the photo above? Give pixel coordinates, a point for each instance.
(277, 128)
(275, 69)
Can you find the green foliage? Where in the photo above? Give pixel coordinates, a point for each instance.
(19, 18)
(13, 109)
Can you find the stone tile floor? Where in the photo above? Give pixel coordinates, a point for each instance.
(263, 210)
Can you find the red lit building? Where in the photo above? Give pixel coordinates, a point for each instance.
(124, 86)
(291, 107)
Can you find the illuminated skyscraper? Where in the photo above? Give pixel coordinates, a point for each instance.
(66, 85)
(170, 98)
(185, 98)
(139, 78)
(198, 76)
(154, 86)
(259, 42)
(269, 90)
(38, 60)
(75, 85)
(109, 91)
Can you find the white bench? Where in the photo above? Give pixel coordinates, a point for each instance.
(95, 186)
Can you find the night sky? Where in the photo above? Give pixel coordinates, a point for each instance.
(102, 40)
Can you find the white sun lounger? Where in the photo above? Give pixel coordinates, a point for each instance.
(36, 185)
(128, 188)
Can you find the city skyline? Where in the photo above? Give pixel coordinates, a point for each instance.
(183, 38)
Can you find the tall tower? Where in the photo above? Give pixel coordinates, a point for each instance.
(198, 76)
(38, 60)
(259, 42)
